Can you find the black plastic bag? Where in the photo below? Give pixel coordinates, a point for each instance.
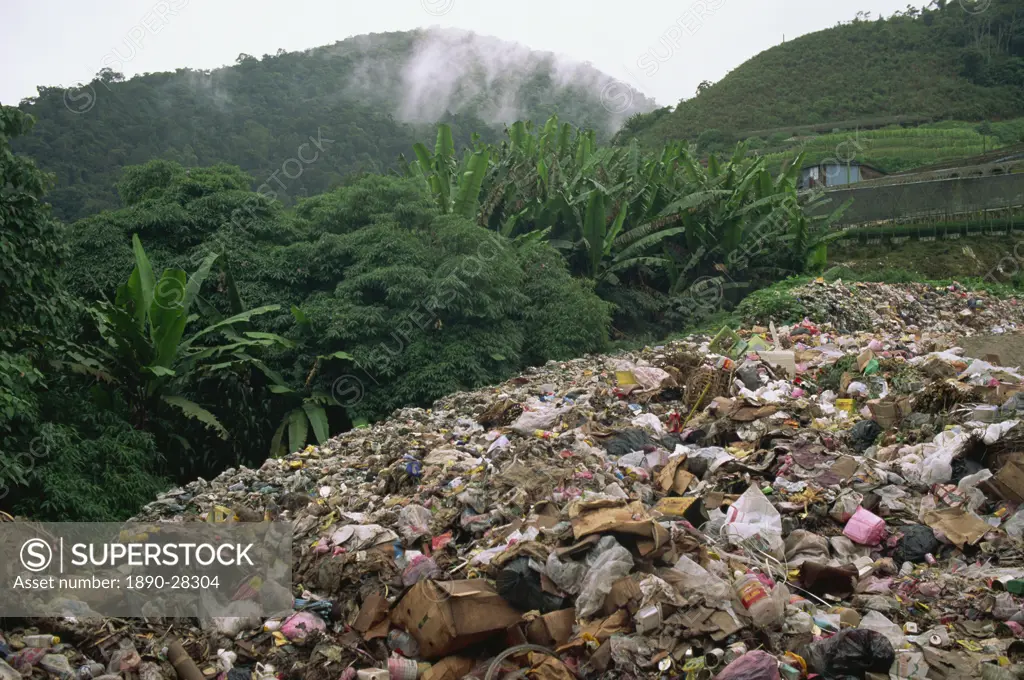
(917, 541)
(520, 585)
(864, 434)
(629, 440)
(852, 652)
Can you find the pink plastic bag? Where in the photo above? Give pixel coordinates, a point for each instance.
(756, 665)
(865, 528)
(300, 625)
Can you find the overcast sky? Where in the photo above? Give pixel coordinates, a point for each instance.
(661, 47)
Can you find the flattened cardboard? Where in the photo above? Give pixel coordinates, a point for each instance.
(959, 526)
(552, 630)
(864, 358)
(672, 478)
(371, 614)
(548, 668)
(619, 517)
(601, 630)
(783, 358)
(446, 616)
(625, 594)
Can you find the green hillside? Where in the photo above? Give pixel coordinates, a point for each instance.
(372, 96)
(895, 149)
(947, 62)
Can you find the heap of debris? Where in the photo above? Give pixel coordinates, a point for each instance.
(837, 497)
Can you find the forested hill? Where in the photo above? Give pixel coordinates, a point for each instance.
(372, 96)
(960, 59)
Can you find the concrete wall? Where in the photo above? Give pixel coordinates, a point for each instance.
(940, 198)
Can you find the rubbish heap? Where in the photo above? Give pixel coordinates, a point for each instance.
(835, 498)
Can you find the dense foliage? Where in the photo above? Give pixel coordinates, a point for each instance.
(663, 238)
(955, 59)
(65, 450)
(301, 122)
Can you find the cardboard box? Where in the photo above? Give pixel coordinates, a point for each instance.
(889, 411)
(446, 616)
(1008, 483)
(690, 508)
(552, 630)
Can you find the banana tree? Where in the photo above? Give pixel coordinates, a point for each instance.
(310, 404)
(146, 353)
(454, 186)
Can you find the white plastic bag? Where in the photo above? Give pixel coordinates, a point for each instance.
(538, 415)
(414, 522)
(612, 565)
(880, 624)
(752, 513)
(1014, 526)
(698, 579)
(754, 521)
(969, 487)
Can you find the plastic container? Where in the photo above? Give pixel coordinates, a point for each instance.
(756, 599)
(400, 668)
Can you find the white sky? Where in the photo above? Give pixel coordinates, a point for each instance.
(61, 42)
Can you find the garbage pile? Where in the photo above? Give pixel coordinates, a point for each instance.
(778, 503)
(864, 306)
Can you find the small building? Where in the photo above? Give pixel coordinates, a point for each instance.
(833, 173)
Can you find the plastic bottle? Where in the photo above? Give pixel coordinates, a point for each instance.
(757, 599)
(41, 640)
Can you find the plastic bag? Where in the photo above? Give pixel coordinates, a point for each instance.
(969, 487)
(650, 421)
(878, 623)
(846, 504)
(698, 579)
(755, 665)
(568, 575)
(1014, 526)
(612, 564)
(540, 416)
(938, 467)
(300, 625)
(420, 568)
(520, 585)
(864, 434)
(414, 522)
(753, 518)
(716, 520)
(854, 651)
(917, 541)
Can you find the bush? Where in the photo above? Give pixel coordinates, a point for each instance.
(771, 304)
(565, 318)
(93, 466)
